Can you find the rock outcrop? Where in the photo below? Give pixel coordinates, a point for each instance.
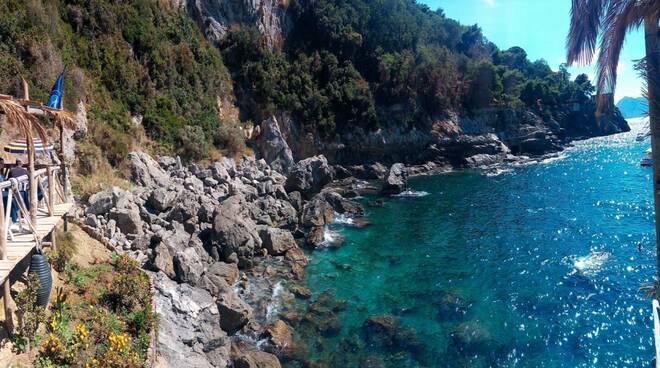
(396, 180)
(309, 176)
(272, 147)
(215, 17)
(204, 232)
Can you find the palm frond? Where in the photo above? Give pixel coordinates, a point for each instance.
(621, 17)
(585, 25)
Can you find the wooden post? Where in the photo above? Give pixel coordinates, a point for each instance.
(6, 287)
(30, 154)
(51, 190)
(26, 91)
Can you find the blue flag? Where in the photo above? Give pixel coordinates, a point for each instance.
(55, 99)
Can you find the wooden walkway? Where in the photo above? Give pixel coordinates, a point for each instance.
(23, 244)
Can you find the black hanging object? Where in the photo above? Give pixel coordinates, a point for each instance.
(39, 266)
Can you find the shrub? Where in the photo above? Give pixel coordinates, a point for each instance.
(66, 249)
(30, 315)
(229, 137)
(194, 145)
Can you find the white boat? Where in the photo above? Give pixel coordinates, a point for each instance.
(648, 160)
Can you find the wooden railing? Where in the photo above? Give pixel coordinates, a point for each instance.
(17, 190)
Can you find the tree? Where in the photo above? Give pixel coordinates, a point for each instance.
(611, 20)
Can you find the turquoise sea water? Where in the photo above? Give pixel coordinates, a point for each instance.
(548, 259)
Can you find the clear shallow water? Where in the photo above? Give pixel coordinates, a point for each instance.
(548, 257)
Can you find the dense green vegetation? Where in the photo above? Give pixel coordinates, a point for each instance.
(346, 64)
(366, 63)
(124, 59)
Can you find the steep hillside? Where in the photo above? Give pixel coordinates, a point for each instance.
(142, 67)
(177, 76)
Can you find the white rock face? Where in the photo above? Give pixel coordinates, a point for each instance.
(217, 16)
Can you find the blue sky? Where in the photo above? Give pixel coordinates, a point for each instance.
(540, 27)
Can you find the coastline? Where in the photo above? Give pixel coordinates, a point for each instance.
(168, 222)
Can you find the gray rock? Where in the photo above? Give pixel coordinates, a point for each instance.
(276, 241)
(128, 219)
(234, 312)
(187, 333)
(396, 180)
(92, 221)
(188, 266)
(161, 199)
(272, 147)
(315, 236)
(309, 176)
(317, 212)
(162, 261)
(235, 231)
(218, 277)
(101, 203)
(146, 171)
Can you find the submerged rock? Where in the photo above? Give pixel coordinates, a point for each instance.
(471, 338)
(387, 331)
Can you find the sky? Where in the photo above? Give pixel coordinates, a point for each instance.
(540, 27)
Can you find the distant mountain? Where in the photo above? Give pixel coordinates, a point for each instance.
(633, 107)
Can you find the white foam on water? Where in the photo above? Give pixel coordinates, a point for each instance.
(412, 193)
(497, 172)
(331, 237)
(343, 219)
(591, 262)
(252, 339)
(273, 306)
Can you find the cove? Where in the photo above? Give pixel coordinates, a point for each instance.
(538, 266)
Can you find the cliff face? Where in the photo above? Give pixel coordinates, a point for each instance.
(470, 139)
(216, 17)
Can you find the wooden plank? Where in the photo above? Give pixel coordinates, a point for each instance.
(23, 244)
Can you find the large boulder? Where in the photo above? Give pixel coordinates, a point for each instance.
(234, 230)
(256, 359)
(276, 241)
(396, 180)
(309, 176)
(101, 203)
(162, 261)
(272, 147)
(187, 332)
(146, 171)
(219, 277)
(279, 339)
(234, 312)
(317, 212)
(128, 220)
(188, 266)
(162, 199)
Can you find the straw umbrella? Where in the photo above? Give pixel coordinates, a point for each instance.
(25, 124)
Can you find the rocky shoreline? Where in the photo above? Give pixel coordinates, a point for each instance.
(223, 246)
